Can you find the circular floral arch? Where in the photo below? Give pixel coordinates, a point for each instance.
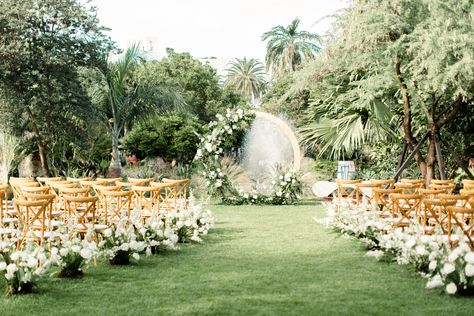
(286, 185)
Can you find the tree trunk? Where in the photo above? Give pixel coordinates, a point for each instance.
(431, 160)
(40, 143)
(115, 168)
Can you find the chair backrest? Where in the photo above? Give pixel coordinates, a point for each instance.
(448, 187)
(80, 210)
(177, 191)
(409, 187)
(448, 181)
(406, 208)
(77, 180)
(463, 218)
(117, 205)
(77, 192)
(460, 200)
(148, 199)
(430, 193)
(44, 180)
(36, 190)
(17, 185)
(35, 217)
(467, 181)
(468, 186)
(108, 181)
(129, 185)
(413, 181)
(3, 199)
(435, 213)
(384, 183)
(144, 181)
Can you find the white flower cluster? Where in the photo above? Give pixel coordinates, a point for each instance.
(21, 268)
(191, 223)
(121, 238)
(430, 254)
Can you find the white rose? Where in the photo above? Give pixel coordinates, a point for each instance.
(86, 253)
(124, 247)
(469, 257)
(410, 242)
(108, 233)
(420, 250)
(11, 269)
(432, 265)
(451, 288)
(76, 248)
(218, 183)
(470, 270)
(15, 256)
(63, 252)
(436, 281)
(32, 262)
(208, 147)
(448, 268)
(199, 153)
(179, 224)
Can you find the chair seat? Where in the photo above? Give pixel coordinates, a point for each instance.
(100, 227)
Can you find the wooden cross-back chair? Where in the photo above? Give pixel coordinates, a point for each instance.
(43, 180)
(420, 182)
(383, 183)
(17, 185)
(463, 219)
(442, 182)
(460, 200)
(346, 190)
(81, 212)
(38, 226)
(53, 212)
(168, 199)
(435, 213)
(128, 185)
(178, 191)
(148, 200)
(470, 194)
(448, 187)
(141, 181)
(406, 209)
(34, 190)
(383, 200)
(365, 191)
(107, 181)
(430, 193)
(409, 188)
(117, 205)
(99, 190)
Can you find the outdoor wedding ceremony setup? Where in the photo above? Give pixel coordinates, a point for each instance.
(245, 158)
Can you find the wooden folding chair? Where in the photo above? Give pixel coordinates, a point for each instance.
(117, 205)
(34, 190)
(17, 185)
(463, 219)
(406, 209)
(460, 200)
(37, 224)
(434, 214)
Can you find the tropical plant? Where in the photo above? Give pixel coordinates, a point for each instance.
(382, 58)
(122, 99)
(287, 47)
(246, 76)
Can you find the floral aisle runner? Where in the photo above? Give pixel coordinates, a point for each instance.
(432, 256)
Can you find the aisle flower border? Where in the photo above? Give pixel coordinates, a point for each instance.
(431, 255)
(286, 186)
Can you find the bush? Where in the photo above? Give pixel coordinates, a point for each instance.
(172, 136)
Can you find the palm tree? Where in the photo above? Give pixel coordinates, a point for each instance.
(287, 47)
(247, 76)
(123, 99)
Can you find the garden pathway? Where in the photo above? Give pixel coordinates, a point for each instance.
(258, 260)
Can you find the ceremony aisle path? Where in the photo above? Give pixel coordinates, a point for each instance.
(271, 260)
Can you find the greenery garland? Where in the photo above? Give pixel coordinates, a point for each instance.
(286, 186)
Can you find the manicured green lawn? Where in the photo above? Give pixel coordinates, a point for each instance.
(257, 260)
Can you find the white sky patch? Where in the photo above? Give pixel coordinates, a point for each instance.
(209, 28)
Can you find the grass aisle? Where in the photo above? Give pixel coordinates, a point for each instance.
(257, 260)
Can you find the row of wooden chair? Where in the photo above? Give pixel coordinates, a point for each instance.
(407, 203)
(39, 207)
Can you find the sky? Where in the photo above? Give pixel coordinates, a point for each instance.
(209, 28)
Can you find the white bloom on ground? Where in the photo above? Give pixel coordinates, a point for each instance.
(124, 247)
(435, 281)
(420, 250)
(15, 256)
(218, 183)
(11, 269)
(108, 233)
(179, 224)
(410, 242)
(451, 288)
(432, 265)
(136, 256)
(76, 248)
(63, 252)
(199, 153)
(470, 270)
(469, 257)
(208, 147)
(448, 268)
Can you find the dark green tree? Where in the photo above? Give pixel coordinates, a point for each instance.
(42, 44)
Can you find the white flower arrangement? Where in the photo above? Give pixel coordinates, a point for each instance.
(120, 243)
(21, 269)
(432, 256)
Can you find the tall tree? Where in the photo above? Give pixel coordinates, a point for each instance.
(414, 57)
(42, 42)
(246, 76)
(122, 98)
(287, 47)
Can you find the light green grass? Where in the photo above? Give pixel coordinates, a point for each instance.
(257, 261)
